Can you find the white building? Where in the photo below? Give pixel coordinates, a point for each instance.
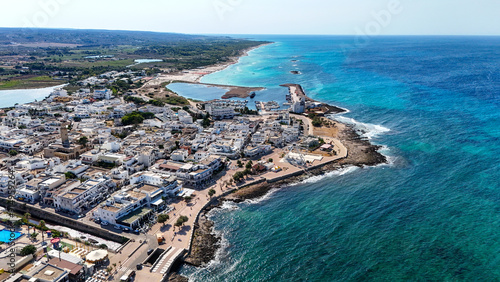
(179, 155)
(184, 117)
(81, 197)
(103, 94)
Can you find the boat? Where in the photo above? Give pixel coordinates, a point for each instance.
(252, 95)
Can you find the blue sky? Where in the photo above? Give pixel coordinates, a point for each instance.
(373, 17)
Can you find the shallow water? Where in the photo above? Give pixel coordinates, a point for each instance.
(432, 214)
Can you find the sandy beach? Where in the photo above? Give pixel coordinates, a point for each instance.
(195, 75)
(196, 236)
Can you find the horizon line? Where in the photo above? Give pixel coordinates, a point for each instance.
(229, 34)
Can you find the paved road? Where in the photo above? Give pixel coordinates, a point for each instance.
(308, 128)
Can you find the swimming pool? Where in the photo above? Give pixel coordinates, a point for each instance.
(5, 235)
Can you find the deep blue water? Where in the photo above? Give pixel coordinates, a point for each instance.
(432, 214)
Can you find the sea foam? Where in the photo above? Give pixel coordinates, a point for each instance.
(338, 172)
(367, 130)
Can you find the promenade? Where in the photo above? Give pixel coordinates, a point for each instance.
(177, 239)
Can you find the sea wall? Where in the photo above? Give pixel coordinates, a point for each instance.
(55, 218)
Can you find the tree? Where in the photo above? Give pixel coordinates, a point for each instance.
(57, 234)
(69, 175)
(26, 219)
(247, 171)
(239, 163)
(162, 218)
(206, 122)
(13, 152)
(249, 165)
(77, 119)
(316, 122)
(103, 246)
(270, 160)
(181, 220)
(34, 235)
(211, 192)
(238, 176)
(188, 199)
(42, 225)
(28, 250)
(83, 140)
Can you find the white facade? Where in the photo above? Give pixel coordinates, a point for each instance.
(103, 94)
(179, 155)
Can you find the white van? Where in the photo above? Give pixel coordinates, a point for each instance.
(128, 275)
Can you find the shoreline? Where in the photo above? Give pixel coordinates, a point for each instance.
(195, 75)
(359, 152)
(206, 244)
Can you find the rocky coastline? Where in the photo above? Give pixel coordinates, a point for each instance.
(206, 243)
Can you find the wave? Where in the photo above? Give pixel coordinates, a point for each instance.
(338, 172)
(386, 151)
(262, 198)
(367, 130)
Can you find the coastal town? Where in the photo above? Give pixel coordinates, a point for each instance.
(110, 187)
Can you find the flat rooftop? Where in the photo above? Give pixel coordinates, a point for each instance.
(49, 273)
(135, 215)
(111, 208)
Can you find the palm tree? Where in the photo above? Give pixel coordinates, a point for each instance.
(26, 219)
(42, 227)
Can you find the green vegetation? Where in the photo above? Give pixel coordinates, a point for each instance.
(249, 165)
(69, 175)
(211, 192)
(175, 100)
(13, 152)
(136, 117)
(135, 100)
(162, 218)
(56, 233)
(34, 235)
(238, 176)
(247, 111)
(27, 82)
(49, 57)
(181, 220)
(83, 140)
(156, 103)
(316, 120)
(28, 250)
(206, 122)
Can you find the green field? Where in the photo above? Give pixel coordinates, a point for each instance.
(29, 82)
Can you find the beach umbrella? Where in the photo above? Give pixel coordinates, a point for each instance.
(97, 255)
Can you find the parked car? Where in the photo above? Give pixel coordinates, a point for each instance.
(104, 223)
(117, 227)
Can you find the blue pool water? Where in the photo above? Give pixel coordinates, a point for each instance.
(433, 214)
(5, 235)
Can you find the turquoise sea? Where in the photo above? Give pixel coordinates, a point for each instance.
(433, 213)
